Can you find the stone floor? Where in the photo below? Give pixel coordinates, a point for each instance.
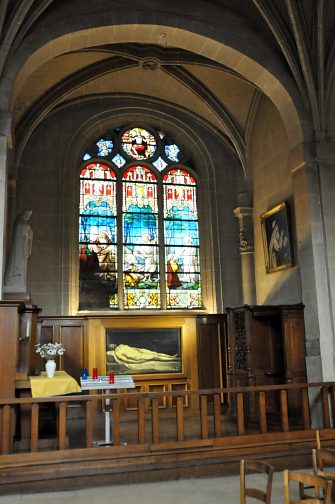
(218, 490)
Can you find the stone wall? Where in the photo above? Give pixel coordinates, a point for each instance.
(48, 185)
(271, 182)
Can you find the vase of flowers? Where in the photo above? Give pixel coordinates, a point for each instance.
(49, 351)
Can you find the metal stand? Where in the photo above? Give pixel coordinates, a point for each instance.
(102, 383)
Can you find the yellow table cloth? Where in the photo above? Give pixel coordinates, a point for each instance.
(62, 383)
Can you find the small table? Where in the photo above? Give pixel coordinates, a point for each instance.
(102, 383)
(62, 383)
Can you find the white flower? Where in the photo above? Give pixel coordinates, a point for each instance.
(50, 350)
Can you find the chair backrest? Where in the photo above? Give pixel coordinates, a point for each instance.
(323, 459)
(306, 480)
(255, 466)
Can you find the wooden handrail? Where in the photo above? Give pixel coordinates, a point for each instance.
(178, 393)
(149, 412)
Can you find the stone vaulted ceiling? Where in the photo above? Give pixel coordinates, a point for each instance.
(298, 34)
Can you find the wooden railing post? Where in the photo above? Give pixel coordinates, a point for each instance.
(141, 421)
(6, 435)
(62, 425)
(34, 427)
(116, 407)
(240, 413)
(262, 413)
(284, 411)
(332, 392)
(305, 409)
(217, 416)
(89, 424)
(325, 407)
(203, 417)
(180, 418)
(154, 420)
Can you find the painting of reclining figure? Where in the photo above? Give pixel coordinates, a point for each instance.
(143, 351)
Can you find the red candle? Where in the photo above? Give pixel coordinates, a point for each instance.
(111, 377)
(95, 373)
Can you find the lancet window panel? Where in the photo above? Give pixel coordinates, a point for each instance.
(138, 224)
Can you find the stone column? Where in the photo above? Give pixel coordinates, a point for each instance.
(4, 132)
(313, 259)
(245, 218)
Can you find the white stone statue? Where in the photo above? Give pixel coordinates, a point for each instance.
(16, 273)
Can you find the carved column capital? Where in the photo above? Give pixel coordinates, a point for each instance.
(244, 216)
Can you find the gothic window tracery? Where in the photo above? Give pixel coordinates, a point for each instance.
(138, 224)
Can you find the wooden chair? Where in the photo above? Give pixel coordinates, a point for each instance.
(307, 480)
(255, 466)
(324, 465)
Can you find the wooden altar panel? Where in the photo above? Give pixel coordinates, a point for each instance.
(71, 332)
(72, 338)
(84, 339)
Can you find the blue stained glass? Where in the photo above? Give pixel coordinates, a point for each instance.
(159, 164)
(105, 147)
(91, 226)
(181, 240)
(97, 238)
(172, 152)
(175, 231)
(139, 195)
(138, 222)
(119, 160)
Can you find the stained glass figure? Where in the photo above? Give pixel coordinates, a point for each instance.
(172, 152)
(138, 143)
(140, 235)
(97, 238)
(181, 240)
(105, 147)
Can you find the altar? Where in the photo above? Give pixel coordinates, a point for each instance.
(62, 383)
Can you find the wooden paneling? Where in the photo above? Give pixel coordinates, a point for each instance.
(267, 347)
(209, 352)
(71, 332)
(17, 344)
(27, 357)
(84, 339)
(72, 339)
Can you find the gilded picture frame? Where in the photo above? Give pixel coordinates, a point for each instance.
(276, 235)
(143, 351)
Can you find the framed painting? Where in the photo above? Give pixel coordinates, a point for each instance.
(277, 238)
(143, 351)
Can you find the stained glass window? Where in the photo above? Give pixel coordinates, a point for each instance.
(181, 240)
(97, 238)
(138, 224)
(105, 147)
(138, 143)
(140, 237)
